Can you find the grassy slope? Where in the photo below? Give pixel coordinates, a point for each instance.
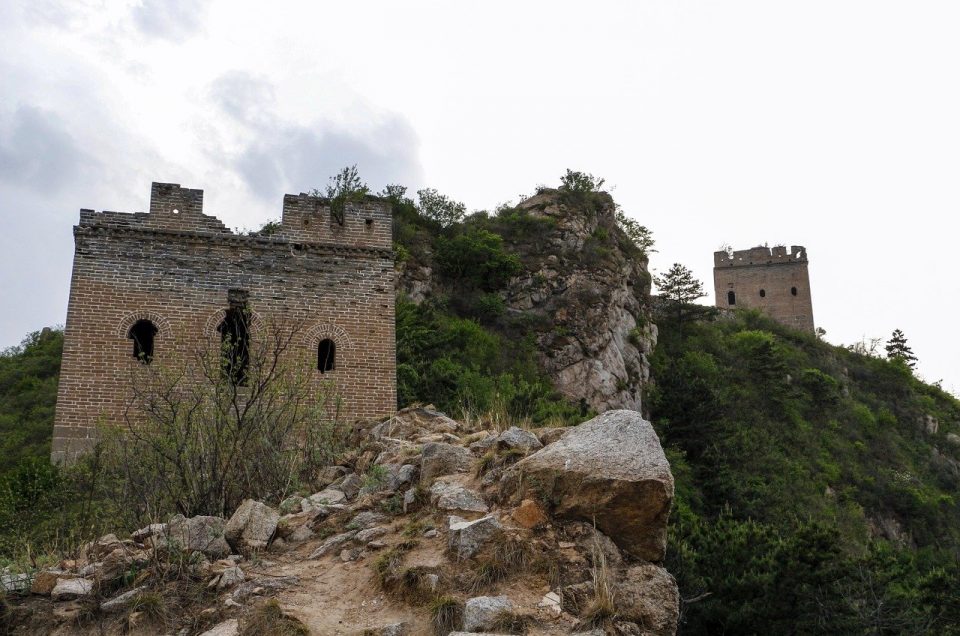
(787, 451)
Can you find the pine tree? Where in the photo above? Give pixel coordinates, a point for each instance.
(680, 288)
(898, 349)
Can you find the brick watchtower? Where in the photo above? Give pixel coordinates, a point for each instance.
(148, 285)
(770, 279)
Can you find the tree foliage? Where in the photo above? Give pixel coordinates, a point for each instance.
(898, 349)
(440, 208)
(344, 188)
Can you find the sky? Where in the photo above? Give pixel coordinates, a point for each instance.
(829, 124)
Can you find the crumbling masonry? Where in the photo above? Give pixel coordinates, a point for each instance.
(146, 285)
(771, 279)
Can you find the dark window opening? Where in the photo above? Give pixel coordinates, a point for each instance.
(326, 355)
(235, 338)
(142, 333)
(763, 293)
(731, 298)
(793, 290)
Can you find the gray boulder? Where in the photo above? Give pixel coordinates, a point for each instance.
(15, 583)
(349, 485)
(252, 525)
(610, 470)
(520, 439)
(323, 498)
(196, 534)
(444, 459)
(484, 612)
(466, 538)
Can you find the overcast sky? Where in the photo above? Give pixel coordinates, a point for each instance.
(830, 124)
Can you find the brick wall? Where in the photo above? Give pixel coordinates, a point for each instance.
(771, 279)
(174, 267)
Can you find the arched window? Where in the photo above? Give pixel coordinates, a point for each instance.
(731, 298)
(235, 344)
(142, 333)
(326, 355)
(763, 293)
(793, 290)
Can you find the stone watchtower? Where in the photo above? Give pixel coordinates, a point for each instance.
(766, 278)
(146, 286)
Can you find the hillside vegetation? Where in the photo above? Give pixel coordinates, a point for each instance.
(817, 488)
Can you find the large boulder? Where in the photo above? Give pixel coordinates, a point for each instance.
(610, 471)
(252, 525)
(520, 439)
(444, 459)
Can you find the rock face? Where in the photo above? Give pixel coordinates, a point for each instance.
(610, 470)
(589, 286)
(466, 538)
(252, 525)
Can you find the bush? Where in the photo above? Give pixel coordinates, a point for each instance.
(476, 257)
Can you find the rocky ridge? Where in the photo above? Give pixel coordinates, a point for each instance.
(428, 527)
(587, 291)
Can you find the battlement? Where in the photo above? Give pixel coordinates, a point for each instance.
(760, 256)
(306, 219)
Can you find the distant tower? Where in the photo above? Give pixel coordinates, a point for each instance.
(769, 279)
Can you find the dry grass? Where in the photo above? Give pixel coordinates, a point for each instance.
(446, 614)
(602, 607)
(510, 623)
(387, 566)
(497, 458)
(269, 618)
(510, 557)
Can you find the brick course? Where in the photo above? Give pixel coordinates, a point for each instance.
(770, 279)
(174, 267)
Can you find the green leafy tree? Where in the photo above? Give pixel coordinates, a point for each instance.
(898, 349)
(440, 208)
(679, 289)
(576, 181)
(639, 235)
(344, 187)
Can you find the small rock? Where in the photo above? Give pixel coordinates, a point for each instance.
(67, 589)
(550, 603)
(327, 497)
(230, 577)
(431, 533)
(483, 612)
(15, 583)
(146, 532)
(122, 602)
(529, 515)
(409, 499)
(452, 496)
(466, 538)
(333, 542)
(349, 485)
(393, 629)
(367, 518)
(371, 533)
(520, 439)
(44, 581)
(481, 446)
(201, 534)
(330, 474)
(376, 545)
(350, 554)
(229, 627)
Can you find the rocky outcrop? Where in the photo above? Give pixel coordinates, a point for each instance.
(611, 471)
(584, 291)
